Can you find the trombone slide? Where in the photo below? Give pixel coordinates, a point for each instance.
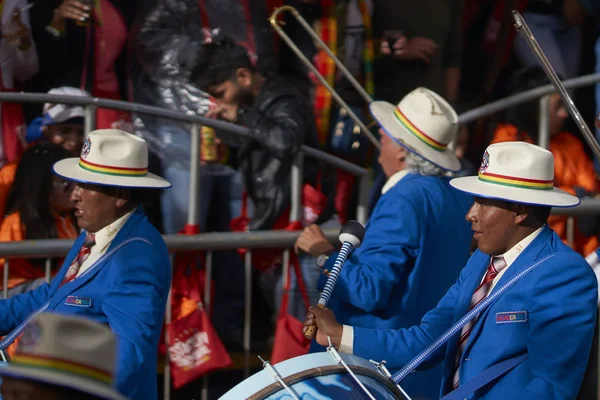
(315, 71)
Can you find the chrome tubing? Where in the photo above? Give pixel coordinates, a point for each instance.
(525, 32)
(276, 26)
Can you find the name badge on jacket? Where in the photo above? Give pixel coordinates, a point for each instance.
(78, 301)
(511, 317)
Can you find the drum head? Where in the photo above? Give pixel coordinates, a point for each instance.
(317, 376)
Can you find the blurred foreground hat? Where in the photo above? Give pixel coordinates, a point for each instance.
(67, 351)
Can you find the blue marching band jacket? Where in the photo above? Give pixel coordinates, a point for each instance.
(406, 263)
(127, 288)
(549, 314)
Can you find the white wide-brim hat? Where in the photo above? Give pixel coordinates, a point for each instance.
(71, 352)
(518, 172)
(112, 157)
(423, 123)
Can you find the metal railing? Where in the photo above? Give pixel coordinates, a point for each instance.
(210, 242)
(542, 93)
(91, 104)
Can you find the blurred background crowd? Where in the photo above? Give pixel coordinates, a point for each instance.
(148, 51)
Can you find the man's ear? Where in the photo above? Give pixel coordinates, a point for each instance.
(122, 197)
(401, 154)
(521, 214)
(244, 77)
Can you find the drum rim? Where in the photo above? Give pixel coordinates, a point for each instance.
(324, 371)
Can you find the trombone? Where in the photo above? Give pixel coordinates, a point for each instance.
(525, 32)
(276, 25)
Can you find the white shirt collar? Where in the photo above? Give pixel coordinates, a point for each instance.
(106, 235)
(392, 180)
(511, 255)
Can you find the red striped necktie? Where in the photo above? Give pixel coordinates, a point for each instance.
(496, 266)
(83, 254)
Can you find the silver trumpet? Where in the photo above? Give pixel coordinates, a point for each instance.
(276, 25)
(525, 32)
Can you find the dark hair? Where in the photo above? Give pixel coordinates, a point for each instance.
(218, 62)
(526, 116)
(540, 213)
(31, 189)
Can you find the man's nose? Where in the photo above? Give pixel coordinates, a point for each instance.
(471, 215)
(75, 194)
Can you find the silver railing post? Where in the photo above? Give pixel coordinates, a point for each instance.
(194, 206)
(296, 209)
(247, 311)
(207, 308)
(362, 209)
(571, 232)
(544, 122)
(89, 121)
(48, 267)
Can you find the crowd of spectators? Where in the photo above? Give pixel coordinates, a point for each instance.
(221, 59)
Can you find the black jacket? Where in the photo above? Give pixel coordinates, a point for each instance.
(281, 121)
(62, 59)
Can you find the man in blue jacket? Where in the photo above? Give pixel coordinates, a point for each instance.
(118, 271)
(407, 260)
(548, 315)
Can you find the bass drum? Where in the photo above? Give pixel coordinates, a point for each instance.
(317, 376)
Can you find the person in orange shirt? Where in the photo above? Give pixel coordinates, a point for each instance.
(60, 124)
(573, 168)
(38, 208)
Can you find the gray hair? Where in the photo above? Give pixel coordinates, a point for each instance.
(421, 166)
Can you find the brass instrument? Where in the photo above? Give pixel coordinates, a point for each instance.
(525, 32)
(306, 61)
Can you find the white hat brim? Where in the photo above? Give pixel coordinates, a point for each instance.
(383, 112)
(69, 169)
(554, 198)
(60, 379)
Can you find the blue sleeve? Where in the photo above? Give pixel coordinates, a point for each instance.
(398, 347)
(389, 248)
(562, 317)
(34, 130)
(135, 305)
(16, 309)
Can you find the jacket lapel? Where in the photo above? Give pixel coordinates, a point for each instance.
(122, 236)
(464, 302)
(524, 260)
(469, 287)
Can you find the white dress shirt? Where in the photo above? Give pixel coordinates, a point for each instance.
(104, 238)
(347, 343)
(392, 180)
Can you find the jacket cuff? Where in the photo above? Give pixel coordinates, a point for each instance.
(347, 343)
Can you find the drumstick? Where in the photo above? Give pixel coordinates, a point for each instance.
(351, 236)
